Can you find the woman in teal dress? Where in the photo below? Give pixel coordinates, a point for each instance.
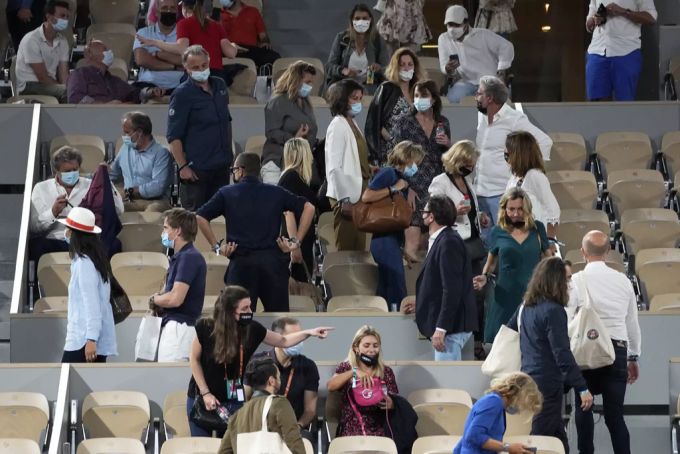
(516, 245)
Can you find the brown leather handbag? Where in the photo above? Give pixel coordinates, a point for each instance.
(389, 215)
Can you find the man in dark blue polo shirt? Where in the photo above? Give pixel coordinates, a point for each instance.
(182, 298)
(253, 212)
(199, 130)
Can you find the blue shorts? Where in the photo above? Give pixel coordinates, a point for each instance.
(613, 77)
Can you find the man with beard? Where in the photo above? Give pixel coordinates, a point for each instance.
(495, 121)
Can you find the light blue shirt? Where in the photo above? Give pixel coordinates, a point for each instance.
(163, 79)
(89, 309)
(148, 169)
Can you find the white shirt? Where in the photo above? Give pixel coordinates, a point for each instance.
(480, 53)
(359, 63)
(441, 184)
(42, 222)
(493, 172)
(544, 205)
(618, 36)
(433, 237)
(613, 298)
(34, 48)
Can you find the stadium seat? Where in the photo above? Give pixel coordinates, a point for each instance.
(13, 75)
(92, 148)
(365, 101)
(670, 147)
(139, 303)
(441, 418)
(623, 150)
(470, 101)
(114, 11)
(254, 144)
(326, 233)
(573, 189)
(301, 303)
(332, 413)
(120, 414)
(117, 36)
(658, 270)
(614, 260)
(241, 100)
(54, 273)
(318, 101)
(433, 71)
(518, 424)
(189, 444)
(309, 449)
(325, 218)
(362, 444)
(111, 446)
(545, 445)
(243, 85)
(639, 188)
(18, 446)
(281, 64)
(24, 415)
(665, 302)
(161, 139)
(411, 273)
(439, 396)
(209, 303)
(33, 99)
(575, 223)
(568, 152)
(219, 228)
(141, 217)
(649, 228)
(435, 444)
(175, 420)
(357, 303)
(141, 237)
(350, 273)
(140, 273)
(216, 269)
(51, 304)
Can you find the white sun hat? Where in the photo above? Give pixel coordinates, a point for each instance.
(81, 219)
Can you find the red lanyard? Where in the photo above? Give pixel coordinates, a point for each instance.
(290, 380)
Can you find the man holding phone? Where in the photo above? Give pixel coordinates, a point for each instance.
(467, 53)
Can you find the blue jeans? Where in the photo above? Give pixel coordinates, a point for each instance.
(461, 89)
(454, 344)
(613, 77)
(196, 430)
(488, 205)
(386, 251)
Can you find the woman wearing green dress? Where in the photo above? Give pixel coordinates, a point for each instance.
(516, 245)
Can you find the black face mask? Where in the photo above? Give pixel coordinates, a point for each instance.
(465, 171)
(480, 108)
(245, 318)
(168, 19)
(370, 361)
(515, 224)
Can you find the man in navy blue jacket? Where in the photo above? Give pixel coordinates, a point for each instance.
(445, 305)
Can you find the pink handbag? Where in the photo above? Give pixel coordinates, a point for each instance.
(368, 397)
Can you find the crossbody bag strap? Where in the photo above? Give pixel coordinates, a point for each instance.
(356, 411)
(587, 299)
(265, 411)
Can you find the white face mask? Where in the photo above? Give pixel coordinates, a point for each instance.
(107, 59)
(361, 26)
(406, 75)
(456, 32)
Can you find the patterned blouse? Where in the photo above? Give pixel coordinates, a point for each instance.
(401, 108)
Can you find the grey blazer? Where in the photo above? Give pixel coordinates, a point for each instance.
(343, 46)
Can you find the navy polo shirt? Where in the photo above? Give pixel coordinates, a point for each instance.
(201, 120)
(253, 212)
(187, 266)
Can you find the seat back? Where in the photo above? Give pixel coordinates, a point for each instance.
(54, 273)
(111, 446)
(51, 304)
(545, 445)
(568, 152)
(92, 148)
(281, 64)
(648, 214)
(244, 82)
(356, 444)
(162, 140)
(351, 279)
(440, 395)
(640, 188)
(23, 415)
(114, 11)
(141, 237)
(670, 146)
(219, 227)
(175, 415)
(665, 302)
(650, 234)
(301, 303)
(327, 236)
(140, 273)
(624, 150)
(659, 278)
(353, 303)
(13, 74)
(433, 71)
(573, 189)
(435, 444)
(216, 270)
(518, 424)
(33, 99)
(115, 414)
(574, 224)
(614, 260)
(191, 445)
(333, 412)
(19, 446)
(141, 217)
(441, 418)
(254, 144)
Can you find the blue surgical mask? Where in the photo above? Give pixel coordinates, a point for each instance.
(167, 242)
(70, 178)
(107, 59)
(355, 109)
(512, 410)
(200, 76)
(410, 170)
(422, 104)
(60, 25)
(305, 90)
(295, 350)
(127, 140)
(226, 3)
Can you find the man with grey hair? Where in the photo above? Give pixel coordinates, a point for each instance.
(611, 294)
(144, 166)
(199, 130)
(495, 121)
(53, 199)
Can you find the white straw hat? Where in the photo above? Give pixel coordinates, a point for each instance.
(81, 219)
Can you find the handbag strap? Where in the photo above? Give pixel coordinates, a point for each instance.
(583, 284)
(519, 316)
(265, 411)
(356, 412)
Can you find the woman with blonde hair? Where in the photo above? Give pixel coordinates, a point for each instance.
(364, 369)
(392, 99)
(296, 177)
(288, 114)
(485, 425)
(516, 245)
(386, 248)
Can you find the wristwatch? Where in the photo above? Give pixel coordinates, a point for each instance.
(293, 240)
(633, 358)
(506, 447)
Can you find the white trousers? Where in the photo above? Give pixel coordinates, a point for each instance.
(175, 343)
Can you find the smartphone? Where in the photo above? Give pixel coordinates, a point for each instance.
(534, 450)
(453, 57)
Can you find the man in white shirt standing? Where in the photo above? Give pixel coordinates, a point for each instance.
(466, 54)
(495, 121)
(43, 55)
(614, 58)
(611, 295)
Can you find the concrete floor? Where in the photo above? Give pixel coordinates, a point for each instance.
(648, 435)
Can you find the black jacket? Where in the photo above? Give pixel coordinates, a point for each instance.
(341, 50)
(544, 343)
(402, 424)
(445, 297)
(384, 100)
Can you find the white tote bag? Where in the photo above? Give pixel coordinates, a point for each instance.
(505, 356)
(148, 336)
(589, 340)
(262, 441)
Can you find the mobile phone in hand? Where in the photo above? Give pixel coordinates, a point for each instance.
(534, 450)
(453, 57)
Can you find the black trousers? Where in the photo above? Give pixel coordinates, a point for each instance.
(78, 356)
(194, 194)
(549, 420)
(611, 382)
(264, 274)
(259, 55)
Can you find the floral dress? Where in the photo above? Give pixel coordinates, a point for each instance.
(408, 128)
(401, 108)
(373, 417)
(496, 15)
(403, 21)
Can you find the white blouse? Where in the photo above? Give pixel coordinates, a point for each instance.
(442, 185)
(544, 205)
